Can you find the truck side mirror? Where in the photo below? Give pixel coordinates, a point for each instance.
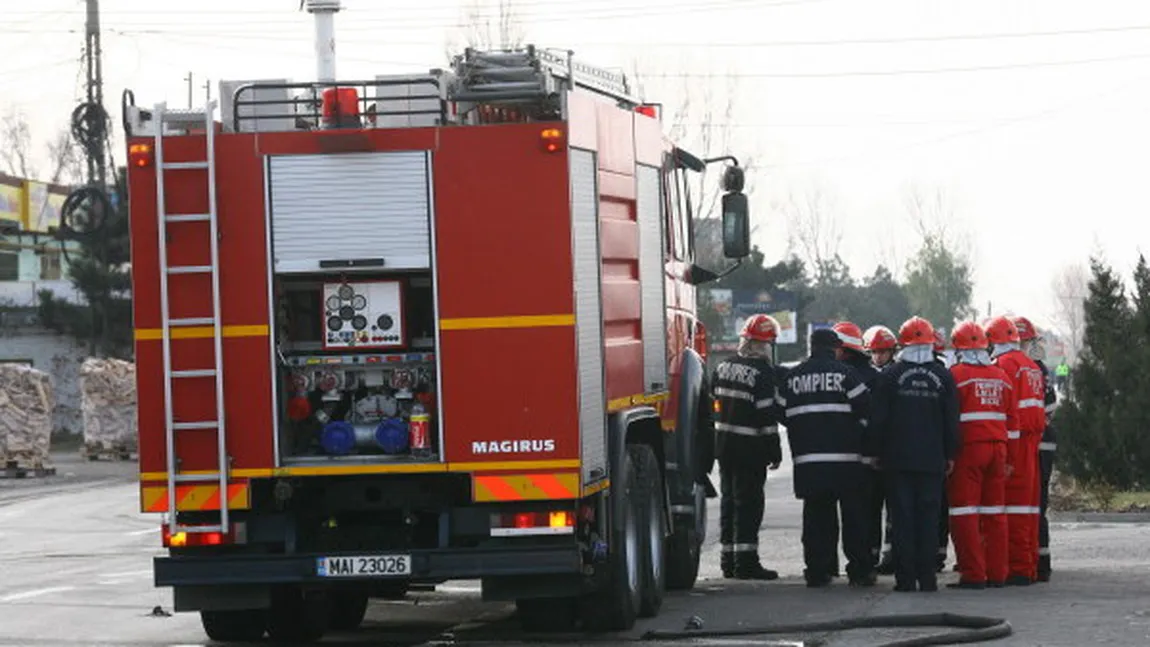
(736, 226)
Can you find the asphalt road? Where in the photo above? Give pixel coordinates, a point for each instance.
(75, 570)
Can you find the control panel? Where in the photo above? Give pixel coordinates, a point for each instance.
(363, 314)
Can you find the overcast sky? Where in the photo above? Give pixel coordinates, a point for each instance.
(1033, 116)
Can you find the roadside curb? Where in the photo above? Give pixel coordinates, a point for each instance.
(1100, 517)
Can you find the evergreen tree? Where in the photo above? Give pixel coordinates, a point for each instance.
(939, 283)
(1099, 435)
(100, 272)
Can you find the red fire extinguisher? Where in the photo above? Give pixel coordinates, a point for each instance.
(420, 431)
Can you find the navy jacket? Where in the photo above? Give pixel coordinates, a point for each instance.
(914, 413)
(747, 413)
(824, 409)
(1049, 436)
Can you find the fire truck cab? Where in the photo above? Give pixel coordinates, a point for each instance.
(420, 328)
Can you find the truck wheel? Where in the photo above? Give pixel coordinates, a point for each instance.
(686, 545)
(653, 526)
(546, 615)
(296, 617)
(244, 625)
(348, 608)
(616, 606)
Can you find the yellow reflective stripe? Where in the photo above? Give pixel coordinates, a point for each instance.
(515, 465)
(588, 490)
(202, 332)
(334, 470)
(529, 321)
(620, 404)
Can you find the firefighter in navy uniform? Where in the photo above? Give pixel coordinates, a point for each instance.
(747, 442)
(825, 406)
(915, 421)
(851, 352)
(1031, 343)
(880, 343)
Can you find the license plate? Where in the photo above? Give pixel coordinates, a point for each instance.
(364, 566)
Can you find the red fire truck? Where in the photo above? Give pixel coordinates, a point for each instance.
(415, 329)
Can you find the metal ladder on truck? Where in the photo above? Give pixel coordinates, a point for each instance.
(182, 119)
(528, 73)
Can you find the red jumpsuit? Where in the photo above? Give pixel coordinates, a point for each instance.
(977, 487)
(1022, 492)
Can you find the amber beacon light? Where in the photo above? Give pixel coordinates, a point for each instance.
(552, 139)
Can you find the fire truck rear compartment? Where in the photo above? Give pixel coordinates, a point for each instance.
(357, 363)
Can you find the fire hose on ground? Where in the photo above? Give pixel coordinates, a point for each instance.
(972, 629)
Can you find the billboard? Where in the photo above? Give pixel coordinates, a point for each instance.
(734, 306)
(11, 206)
(42, 207)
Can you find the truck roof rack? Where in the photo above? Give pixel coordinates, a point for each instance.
(531, 74)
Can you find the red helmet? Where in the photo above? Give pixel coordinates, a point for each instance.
(1001, 330)
(969, 336)
(850, 334)
(879, 338)
(760, 328)
(1026, 330)
(916, 330)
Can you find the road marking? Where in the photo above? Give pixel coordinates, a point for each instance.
(36, 593)
(138, 533)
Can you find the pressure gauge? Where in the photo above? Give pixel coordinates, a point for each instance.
(333, 302)
(385, 322)
(334, 323)
(359, 322)
(346, 292)
(359, 302)
(346, 312)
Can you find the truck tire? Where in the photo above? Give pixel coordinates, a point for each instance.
(296, 617)
(244, 625)
(348, 607)
(616, 606)
(653, 527)
(685, 547)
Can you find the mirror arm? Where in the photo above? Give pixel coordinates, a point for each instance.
(722, 158)
(700, 275)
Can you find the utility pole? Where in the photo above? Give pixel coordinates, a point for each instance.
(207, 91)
(97, 155)
(188, 78)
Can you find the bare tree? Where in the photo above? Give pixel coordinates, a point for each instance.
(17, 152)
(489, 24)
(1069, 288)
(16, 144)
(813, 230)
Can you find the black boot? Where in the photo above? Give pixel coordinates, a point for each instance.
(727, 563)
(747, 567)
(885, 565)
(1044, 568)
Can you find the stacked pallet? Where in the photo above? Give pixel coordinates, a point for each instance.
(108, 404)
(26, 403)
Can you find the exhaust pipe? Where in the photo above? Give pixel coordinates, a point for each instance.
(324, 12)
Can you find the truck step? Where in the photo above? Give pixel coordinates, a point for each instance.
(197, 478)
(192, 321)
(190, 269)
(206, 424)
(184, 166)
(188, 217)
(202, 372)
(195, 529)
